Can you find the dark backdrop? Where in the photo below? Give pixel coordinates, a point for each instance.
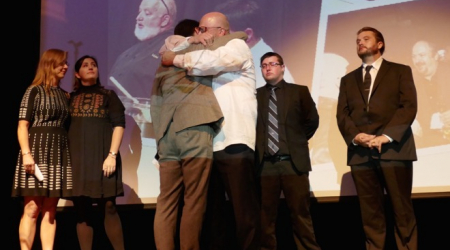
(337, 223)
(21, 34)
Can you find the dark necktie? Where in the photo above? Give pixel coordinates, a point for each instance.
(273, 122)
(367, 82)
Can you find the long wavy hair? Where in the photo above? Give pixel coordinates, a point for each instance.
(45, 75)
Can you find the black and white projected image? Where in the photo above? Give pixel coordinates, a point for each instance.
(317, 40)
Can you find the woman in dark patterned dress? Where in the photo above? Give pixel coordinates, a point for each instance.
(42, 135)
(95, 134)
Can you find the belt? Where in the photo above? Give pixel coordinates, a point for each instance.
(277, 158)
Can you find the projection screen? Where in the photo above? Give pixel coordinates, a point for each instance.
(317, 42)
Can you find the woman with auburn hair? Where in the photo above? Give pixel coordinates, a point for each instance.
(43, 172)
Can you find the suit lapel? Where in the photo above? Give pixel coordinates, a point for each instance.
(384, 67)
(359, 82)
(264, 102)
(381, 72)
(283, 102)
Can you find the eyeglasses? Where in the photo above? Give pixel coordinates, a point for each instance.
(271, 64)
(203, 29)
(167, 8)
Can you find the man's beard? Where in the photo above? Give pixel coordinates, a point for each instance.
(367, 54)
(364, 55)
(145, 33)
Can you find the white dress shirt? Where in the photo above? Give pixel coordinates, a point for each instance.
(234, 87)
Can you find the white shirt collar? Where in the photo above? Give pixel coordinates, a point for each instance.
(376, 65)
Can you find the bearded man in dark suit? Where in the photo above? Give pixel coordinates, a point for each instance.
(375, 122)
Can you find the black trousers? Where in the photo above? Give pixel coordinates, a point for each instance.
(371, 181)
(233, 177)
(282, 176)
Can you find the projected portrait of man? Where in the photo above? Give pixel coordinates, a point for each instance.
(132, 77)
(432, 76)
(134, 70)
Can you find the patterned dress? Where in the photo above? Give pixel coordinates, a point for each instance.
(48, 114)
(94, 111)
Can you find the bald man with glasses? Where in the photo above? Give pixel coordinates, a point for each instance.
(233, 170)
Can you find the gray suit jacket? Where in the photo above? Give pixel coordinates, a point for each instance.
(184, 100)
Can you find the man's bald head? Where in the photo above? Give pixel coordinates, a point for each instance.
(216, 22)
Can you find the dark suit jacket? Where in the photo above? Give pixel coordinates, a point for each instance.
(299, 117)
(392, 109)
(186, 100)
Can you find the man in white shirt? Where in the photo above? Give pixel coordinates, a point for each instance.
(233, 83)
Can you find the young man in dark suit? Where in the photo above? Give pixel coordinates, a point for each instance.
(286, 168)
(375, 122)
